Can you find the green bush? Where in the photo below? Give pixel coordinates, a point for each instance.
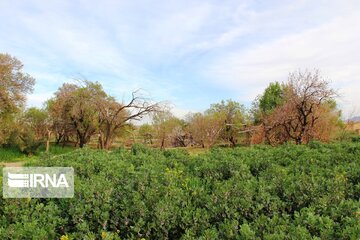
(8, 154)
(288, 192)
(355, 139)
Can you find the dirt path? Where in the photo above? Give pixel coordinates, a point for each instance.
(11, 164)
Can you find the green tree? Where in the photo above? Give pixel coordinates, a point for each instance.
(272, 97)
(233, 116)
(147, 132)
(165, 123)
(76, 106)
(14, 85)
(205, 129)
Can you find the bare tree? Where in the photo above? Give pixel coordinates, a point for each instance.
(114, 115)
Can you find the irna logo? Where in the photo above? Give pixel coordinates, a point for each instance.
(36, 180)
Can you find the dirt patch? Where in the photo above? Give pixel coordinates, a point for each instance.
(12, 164)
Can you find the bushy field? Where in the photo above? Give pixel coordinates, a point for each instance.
(288, 192)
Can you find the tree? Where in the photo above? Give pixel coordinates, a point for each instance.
(272, 97)
(164, 123)
(205, 129)
(147, 132)
(14, 85)
(60, 125)
(35, 129)
(232, 114)
(76, 107)
(114, 115)
(264, 104)
(305, 100)
(84, 110)
(37, 120)
(179, 135)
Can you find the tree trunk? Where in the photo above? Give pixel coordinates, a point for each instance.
(48, 140)
(162, 144)
(101, 140)
(82, 142)
(232, 141)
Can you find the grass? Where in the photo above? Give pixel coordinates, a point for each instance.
(11, 154)
(193, 151)
(55, 150)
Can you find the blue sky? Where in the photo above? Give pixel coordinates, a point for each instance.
(191, 53)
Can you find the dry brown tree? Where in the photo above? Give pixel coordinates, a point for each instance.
(306, 96)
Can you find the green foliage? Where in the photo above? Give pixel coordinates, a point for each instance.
(9, 154)
(288, 192)
(355, 138)
(30, 144)
(272, 97)
(55, 149)
(232, 115)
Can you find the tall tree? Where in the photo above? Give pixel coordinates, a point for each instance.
(164, 122)
(76, 106)
(264, 104)
(233, 116)
(114, 115)
(147, 132)
(306, 97)
(205, 129)
(14, 85)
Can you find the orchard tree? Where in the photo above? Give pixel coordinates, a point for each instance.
(232, 115)
(75, 106)
(14, 85)
(114, 115)
(205, 129)
(35, 129)
(272, 97)
(165, 123)
(264, 104)
(147, 133)
(86, 109)
(306, 102)
(37, 120)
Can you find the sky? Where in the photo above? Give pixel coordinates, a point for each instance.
(190, 53)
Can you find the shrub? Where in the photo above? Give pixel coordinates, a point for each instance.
(288, 192)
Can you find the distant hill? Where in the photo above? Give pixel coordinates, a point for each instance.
(354, 119)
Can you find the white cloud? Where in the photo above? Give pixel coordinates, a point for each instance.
(161, 47)
(334, 48)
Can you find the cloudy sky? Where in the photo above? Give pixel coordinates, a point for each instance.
(192, 53)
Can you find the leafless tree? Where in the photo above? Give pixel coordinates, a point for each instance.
(114, 115)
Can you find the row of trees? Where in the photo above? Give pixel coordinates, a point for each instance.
(76, 113)
(221, 123)
(299, 110)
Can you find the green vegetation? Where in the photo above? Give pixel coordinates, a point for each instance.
(10, 154)
(14, 154)
(287, 192)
